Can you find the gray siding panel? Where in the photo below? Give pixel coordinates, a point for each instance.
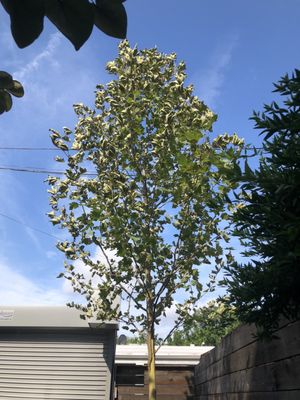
(56, 366)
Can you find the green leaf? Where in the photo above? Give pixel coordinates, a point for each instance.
(17, 89)
(73, 205)
(237, 170)
(5, 101)
(193, 135)
(111, 18)
(182, 159)
(75, 19)
(6, 80)
(27, 19)
(96, 214)
(248, 170)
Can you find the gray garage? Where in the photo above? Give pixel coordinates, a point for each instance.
(50, 353)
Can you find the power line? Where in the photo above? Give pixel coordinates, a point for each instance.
(30, 148)
(28, 226)
(37, 170)
(55, 149)
(32, 170)
(40, 171)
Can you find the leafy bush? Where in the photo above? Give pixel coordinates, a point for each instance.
(269, 222)
(207, 327)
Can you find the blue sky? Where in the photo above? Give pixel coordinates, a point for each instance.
(233, 50)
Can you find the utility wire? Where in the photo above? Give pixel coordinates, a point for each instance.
(37, 170)
(29, 148)
(40, 171)
(55, 149)
(28, 226)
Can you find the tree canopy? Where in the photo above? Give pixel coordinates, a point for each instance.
(208, 326)
(143, 194)
(269, 222)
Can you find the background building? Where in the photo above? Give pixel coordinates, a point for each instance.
(174, 372)
(50, 353)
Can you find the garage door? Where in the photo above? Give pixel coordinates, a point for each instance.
(55, 365)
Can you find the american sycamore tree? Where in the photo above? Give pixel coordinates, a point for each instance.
(143, 182)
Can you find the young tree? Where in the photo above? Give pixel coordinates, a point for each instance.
(157, 195)
(269, 223)
(208, 326)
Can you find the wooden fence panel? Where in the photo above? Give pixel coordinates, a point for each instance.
(173, 383)
(242, 368)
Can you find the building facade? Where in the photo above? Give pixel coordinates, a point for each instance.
(174, 372)
(51, 353)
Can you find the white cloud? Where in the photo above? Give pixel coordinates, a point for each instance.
(37, 62)
(167, 323)
(17, 289)
(83, 269)
(9, 216)
(209, 82)
(54, 79)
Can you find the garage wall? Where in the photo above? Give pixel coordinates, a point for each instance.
(56, 365)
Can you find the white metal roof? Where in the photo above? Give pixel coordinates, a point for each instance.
(166, 355)
(47, 317)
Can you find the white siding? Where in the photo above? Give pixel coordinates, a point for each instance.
(55, 366)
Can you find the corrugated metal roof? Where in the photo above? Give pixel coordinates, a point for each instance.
(47, 317)
(166, 355)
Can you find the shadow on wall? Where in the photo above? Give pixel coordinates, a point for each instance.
(190, 382)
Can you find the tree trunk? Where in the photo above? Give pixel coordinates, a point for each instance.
(150, 335)
(151, 363)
